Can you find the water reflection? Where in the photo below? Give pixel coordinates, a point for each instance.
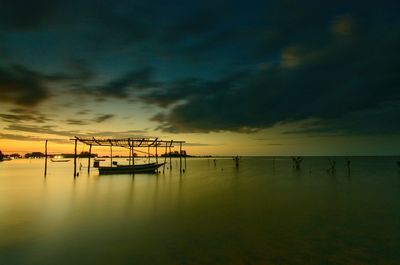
(262, 212)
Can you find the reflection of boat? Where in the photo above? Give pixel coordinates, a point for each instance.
(59, 159)
(130, 169)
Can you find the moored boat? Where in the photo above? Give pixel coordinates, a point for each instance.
(130, 169)
(59, 159)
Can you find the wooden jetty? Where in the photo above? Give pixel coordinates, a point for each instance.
(133, 145)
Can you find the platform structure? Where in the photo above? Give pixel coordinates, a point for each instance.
(134, 145)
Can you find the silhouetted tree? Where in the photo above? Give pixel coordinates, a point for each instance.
(15, 155)
(34, 155)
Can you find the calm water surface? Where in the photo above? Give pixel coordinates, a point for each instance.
(263, 212)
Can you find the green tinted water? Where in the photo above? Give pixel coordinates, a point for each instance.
(255, 214)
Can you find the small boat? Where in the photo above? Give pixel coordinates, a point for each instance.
(99, 159)
(59, 159)
(130, 169)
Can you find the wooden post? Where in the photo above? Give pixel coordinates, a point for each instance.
(133, 157)
(45, 161)
(170, 159)
(130, 151)
(76, 142)
(129, 156)
(148, 153)
(185, 159)
(90, 156)
(111, 154)
(165, 158)
(156, 153)
(133, 153)
(180, 157)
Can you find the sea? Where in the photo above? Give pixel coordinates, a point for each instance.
(263, 211)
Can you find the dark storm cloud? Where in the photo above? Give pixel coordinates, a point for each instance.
(352, 69)
(76, 122)
(23, 118)
(19, 137)
(102, 118)
(22, 86)
(98, 119)
(44, 129)
(53, 130)
(134, 80)
(27, 88)
(20, 115)
(230, 66)
(169, 93)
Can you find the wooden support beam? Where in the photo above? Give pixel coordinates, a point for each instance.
(155, 141)
(76, 142)
(90, 156)
(157, 153)
(165, 158)
(97, 142)
(180, 157)
(111, 155)
(170, 159)
(45, 161)
(185, 159)
(170, 156)
(141, 142)
(133, 157)
(130, 151)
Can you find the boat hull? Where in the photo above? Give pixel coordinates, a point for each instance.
(60, 160)
(128, 169)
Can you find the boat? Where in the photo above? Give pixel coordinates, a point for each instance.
(99, 159)
(59, 159)
(130, 169)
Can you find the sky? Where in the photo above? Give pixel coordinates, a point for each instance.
(228, 77)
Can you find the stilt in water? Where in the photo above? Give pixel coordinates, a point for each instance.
(236, 161)
(90, 155)
(157, 154)
(348, 163)
(297, 162)
(45, 157)
(170, 158)
(76, 142)
(132, 155)
(184, 152)
(180, 157)
(165, 158)
(111, 156)
(332, 169)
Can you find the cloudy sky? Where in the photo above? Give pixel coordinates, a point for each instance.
(229, 77)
